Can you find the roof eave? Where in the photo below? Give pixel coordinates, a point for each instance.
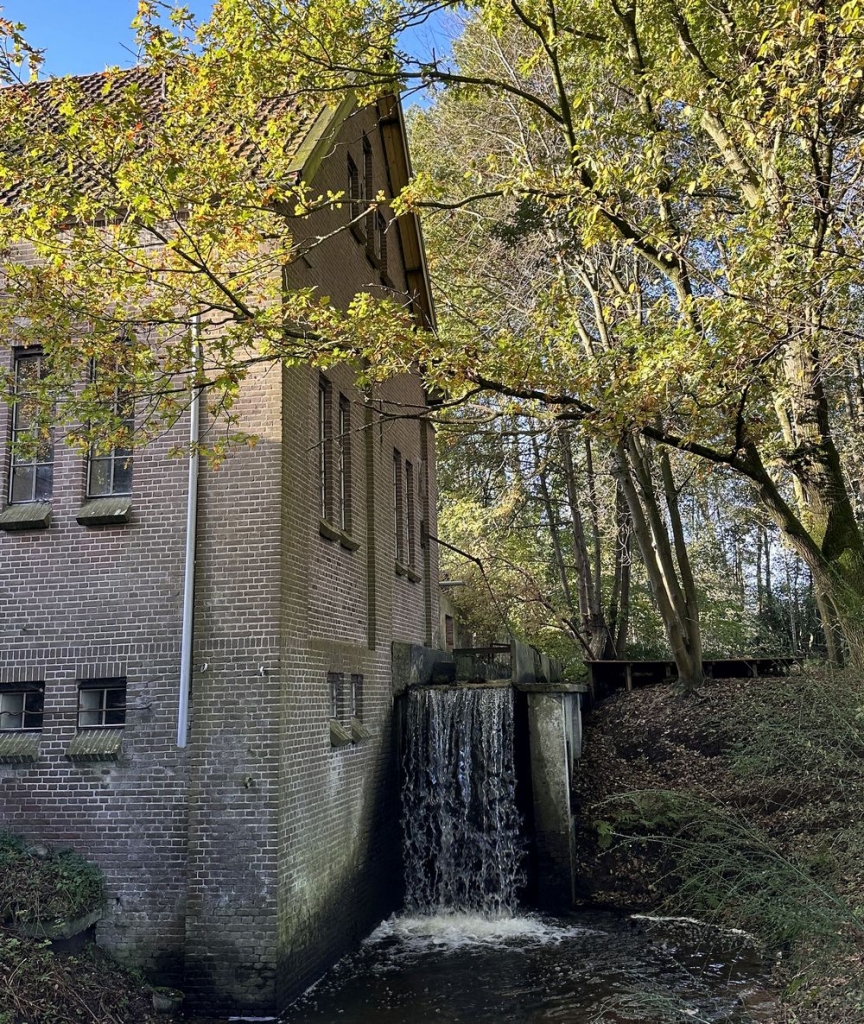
(395, 137)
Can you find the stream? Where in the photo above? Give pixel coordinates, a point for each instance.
(464, 952)
(591, 968)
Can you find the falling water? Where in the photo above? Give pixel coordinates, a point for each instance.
(462, 846)
(460, 954)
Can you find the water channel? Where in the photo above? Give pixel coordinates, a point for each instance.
(592, 969)
(464, 952)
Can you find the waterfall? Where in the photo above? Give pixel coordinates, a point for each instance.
(462, 847)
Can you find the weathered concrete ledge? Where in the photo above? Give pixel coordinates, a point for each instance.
(555, 737)
(551, 687)
(413, 665)
(489, 684)
(58, 929)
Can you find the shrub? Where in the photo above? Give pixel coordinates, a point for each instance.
(45, 885)
(727, 868)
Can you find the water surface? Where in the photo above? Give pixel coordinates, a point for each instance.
(591, 968)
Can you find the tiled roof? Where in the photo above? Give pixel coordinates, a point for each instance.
(101, 85)
(42, 102)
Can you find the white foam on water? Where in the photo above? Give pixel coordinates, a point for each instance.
(455, 931)
(723, 929)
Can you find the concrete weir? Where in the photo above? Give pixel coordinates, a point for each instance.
(555, 733)
(548, 741)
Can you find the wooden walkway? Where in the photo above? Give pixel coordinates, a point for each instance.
(610, 675)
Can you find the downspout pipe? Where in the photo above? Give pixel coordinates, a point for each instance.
(191, 540)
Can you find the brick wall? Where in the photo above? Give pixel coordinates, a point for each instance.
(340, 868)
(247, 863)
(79, 602)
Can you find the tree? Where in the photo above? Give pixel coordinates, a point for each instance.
(505, 263)
(149, 222)
(702, 160)
(716, 149)
(525, 498)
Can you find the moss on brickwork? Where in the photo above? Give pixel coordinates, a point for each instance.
(98, 745)
(18, 748)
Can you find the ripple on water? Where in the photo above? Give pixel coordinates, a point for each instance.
(471, 969)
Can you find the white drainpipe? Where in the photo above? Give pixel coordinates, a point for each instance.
(191, 533)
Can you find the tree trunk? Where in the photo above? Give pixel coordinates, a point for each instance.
(623, 553)
(830, 627)
(593, 620)
(652, 537)
(685, 571)
(618, 614)
(825, 536)
(555, 535)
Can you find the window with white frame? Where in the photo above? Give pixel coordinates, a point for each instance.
(324, 446)
(31, 471)
(110, 472)
(368, 188)
(101, 703)
(379, 241)
(410, 523)
(357, 197)
(335, 681)
(21, 707)
(356, 696)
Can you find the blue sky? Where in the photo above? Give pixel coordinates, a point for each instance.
(79, 36)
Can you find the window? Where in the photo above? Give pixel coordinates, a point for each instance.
(411, 544)
(324, 443)
(356, 696)
(368, 185)
(31, 475)
(101, 703)
(344, 464)
(398, 507)
(449, 633)
(334, 683)
(111, 473)
(379, 241)
(357, 196)
(21, 708)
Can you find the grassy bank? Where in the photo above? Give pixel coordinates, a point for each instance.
(743, 806)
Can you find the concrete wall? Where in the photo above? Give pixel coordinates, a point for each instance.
(555, 738)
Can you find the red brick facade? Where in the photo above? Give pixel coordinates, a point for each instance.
(243, 864)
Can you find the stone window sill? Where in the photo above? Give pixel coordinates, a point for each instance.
(407, 571)
(339, 735)
(355, 732)
(30, 515)
(105, 511)
(96, 745)
(359, 731)
(19, 747)
(330, 532)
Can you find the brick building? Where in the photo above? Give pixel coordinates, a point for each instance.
(244, 854)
